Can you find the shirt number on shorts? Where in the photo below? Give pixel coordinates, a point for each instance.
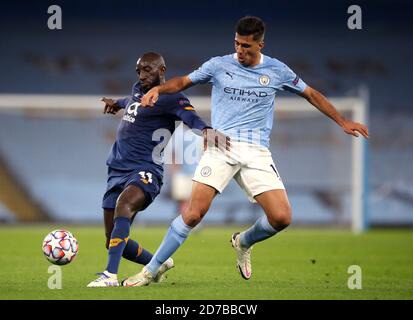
(146, 177)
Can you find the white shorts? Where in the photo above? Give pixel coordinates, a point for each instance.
(250, 164)
(181, 186)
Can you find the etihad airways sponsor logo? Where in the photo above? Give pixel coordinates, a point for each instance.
(246, 93)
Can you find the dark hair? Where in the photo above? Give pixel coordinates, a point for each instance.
(251, 25)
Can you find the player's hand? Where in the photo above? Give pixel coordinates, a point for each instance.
(150, 98)
(216, 138)
(110, 106)
(354, 128)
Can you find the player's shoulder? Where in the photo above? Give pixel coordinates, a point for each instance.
(278, 68)
(174, 96)
(221, 59)
(274, 63)
(173, 100)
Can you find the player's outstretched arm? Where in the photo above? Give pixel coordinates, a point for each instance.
(325, 106)
(111, 106)
(173, 85)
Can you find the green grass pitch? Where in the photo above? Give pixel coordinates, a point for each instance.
(296, 264)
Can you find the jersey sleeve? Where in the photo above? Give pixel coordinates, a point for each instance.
(123, 102)
(291, 82)
(183, 109)
(205, 73)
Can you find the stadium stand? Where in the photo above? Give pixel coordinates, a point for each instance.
(65, 170)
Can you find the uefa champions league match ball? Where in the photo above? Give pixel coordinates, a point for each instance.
(60, 247)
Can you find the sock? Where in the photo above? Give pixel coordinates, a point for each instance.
(118, 240)
(135, 253)
(176, 235)
(260, 231)
(107, 273)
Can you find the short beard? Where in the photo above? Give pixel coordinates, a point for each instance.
(156, 82)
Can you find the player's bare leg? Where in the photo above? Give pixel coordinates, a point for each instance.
(130, 201)
(199, 203)
(277, 208)
(108, 215)
(277, 217)
(133, 251)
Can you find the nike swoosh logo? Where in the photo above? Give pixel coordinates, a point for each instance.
(132, 284)
(247, 273)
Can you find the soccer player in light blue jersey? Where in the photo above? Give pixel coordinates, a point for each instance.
(244, 86)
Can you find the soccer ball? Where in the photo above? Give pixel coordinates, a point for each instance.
(60, 247)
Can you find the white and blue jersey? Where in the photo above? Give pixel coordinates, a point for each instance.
(242, 101)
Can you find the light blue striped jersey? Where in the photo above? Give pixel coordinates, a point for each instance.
(242, 102)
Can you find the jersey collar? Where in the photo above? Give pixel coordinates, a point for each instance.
(261, 59)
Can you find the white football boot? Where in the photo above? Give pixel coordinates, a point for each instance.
(141, 279)
(243, 257)
(144, 277)
(167, 265)
(106, 279)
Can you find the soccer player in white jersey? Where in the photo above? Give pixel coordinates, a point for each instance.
(244, 85)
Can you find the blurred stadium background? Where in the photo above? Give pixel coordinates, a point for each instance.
(52, 161)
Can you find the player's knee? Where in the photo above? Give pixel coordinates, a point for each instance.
(282, 219)
(193, 215)
(285, 221)
(127, 208)
(131, 200)
(123, 209)
(191, 218)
